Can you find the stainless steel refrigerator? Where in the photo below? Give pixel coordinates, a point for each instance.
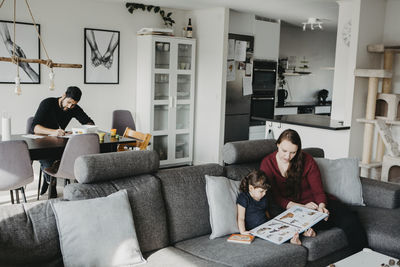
(237, 108)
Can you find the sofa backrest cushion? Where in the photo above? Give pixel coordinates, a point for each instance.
(253, 151)
(185, 198)
(29, 236)
(247, 151)
(147, 204)
(110, 166)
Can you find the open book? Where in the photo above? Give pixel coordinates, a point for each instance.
(284, 226)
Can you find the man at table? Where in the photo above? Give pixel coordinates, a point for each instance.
(52, 117)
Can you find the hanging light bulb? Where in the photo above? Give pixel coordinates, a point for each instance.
(51, 76)
(17, 86)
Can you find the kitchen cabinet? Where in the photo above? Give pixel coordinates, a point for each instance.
(266, 39)
(322, 110)
(285, 111)
(257, 132)
(165, 96)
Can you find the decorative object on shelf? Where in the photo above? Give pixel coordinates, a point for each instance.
(304, 68)
(18, 56)
(189, 29)
(101, 56)
(315, 23)
(168, 21)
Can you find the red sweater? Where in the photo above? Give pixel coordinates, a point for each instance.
(311, 184)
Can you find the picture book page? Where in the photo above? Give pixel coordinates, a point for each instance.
(301, 217)
(275, 231)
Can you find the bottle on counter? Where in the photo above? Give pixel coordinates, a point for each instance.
(189, 29)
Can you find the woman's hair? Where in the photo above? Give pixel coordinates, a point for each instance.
(295, 170)
(257, 179)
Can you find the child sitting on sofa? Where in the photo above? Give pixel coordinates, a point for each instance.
(252, 204)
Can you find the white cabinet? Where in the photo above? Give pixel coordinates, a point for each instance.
(165, 96)
(266, 40)
(285, 111)
(257, 132)
(322, 110)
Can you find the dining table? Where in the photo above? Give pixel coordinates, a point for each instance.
(52, 147)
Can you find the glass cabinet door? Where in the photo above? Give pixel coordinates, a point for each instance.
(183, 86)
(182, 116)
(161, 86)
(160, 144)
(185, 56)
(160, 118)
(182, 146)
(162, 55)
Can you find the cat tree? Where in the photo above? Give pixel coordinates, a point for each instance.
(382, 109)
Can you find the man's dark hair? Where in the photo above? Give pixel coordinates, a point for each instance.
(73, 92)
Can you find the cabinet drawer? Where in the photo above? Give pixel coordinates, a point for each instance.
(322, 109)
(285, 111)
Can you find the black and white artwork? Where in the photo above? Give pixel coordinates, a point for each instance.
(101, 56)
(27, 45)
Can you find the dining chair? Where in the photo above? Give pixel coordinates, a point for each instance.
(15, 168)
(28, 131)
(121, 119)
(142, 140)
(77, 145)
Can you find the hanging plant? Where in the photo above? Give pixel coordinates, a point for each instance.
(168, 21)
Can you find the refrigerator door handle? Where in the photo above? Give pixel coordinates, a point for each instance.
(266, 70)
(263, 98)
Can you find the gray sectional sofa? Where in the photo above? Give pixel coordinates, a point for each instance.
(171, 214)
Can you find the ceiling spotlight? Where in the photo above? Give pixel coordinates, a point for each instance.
(313, 22)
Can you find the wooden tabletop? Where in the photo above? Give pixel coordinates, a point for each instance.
(52, 147)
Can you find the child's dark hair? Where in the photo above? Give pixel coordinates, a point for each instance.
(256, 178)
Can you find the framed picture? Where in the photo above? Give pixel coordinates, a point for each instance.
(27, 45)
(101, 56)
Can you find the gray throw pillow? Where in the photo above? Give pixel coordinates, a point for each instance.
(98, 232)
(221, 196)
(340, 177)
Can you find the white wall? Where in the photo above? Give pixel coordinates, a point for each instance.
(210, 30)
(62, 25)
(318, 47)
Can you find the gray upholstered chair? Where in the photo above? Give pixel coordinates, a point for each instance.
(77, 145)
(28, 131)
(15, 168)
(122, 119)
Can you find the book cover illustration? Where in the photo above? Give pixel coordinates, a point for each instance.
(284, 226)
(238, 238)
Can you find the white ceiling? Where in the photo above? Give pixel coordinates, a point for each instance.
(292, 11)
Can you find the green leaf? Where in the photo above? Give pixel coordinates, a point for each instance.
(149, 8)
(130, 9)
(162, 12)
(156, 9)
(169, 14)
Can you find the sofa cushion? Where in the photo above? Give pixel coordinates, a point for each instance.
(382, 228)
(29, 236)
(258, 253)
(255, 150)
(174, 257)
(98, 232)
(221, 196)
(248, 151)
(185, 197)
(238, 171)
(380, 194)
(115, 165)
(145, 197)
(325, 243)
(340, 177)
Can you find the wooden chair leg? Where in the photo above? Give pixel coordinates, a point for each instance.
(40, 180)
(12, 196)
(23, 194)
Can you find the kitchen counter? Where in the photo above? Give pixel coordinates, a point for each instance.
(309, 120)
(304, 104)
